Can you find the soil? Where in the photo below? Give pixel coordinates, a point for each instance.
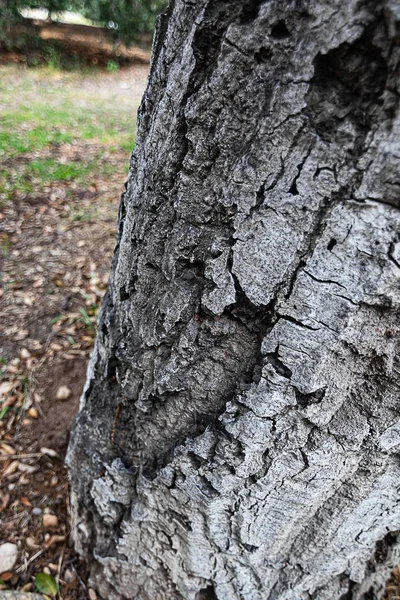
(56, 244)
(52, 430)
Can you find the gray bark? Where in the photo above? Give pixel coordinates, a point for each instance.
(239, 433)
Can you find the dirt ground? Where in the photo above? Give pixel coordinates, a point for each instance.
(58, 205)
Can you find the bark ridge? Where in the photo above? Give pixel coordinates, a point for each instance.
(239, 433)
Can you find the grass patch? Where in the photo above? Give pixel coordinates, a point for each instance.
(48, 170)
(45, 116)
(22, 142)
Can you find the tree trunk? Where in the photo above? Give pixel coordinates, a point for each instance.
(239, 432)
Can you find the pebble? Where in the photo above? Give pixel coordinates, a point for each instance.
(8, 556)
(50, 521)
(36, 511)
(63, 393)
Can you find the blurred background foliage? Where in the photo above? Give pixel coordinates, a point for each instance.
(127, 18)
(127, 21)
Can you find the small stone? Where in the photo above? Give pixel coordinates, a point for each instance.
(63, 393)
(33, 412)
(50, 521)
(25, 354)
(92, 594)
(36, 511)
(8, 557)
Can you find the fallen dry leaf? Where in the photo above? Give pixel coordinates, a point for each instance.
(21, 335)
(12, 467)
(27, 468)
(5, 500)
(55, 539)
(56, 347)
(48, 452)
(6, 387)
(31, 543)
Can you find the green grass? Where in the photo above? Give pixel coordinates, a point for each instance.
(42, 111)
(13, 181)
(48, 170)
(15, 143)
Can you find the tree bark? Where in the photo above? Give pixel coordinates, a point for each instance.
(239, 433)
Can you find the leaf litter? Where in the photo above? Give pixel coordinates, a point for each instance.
(58, 214)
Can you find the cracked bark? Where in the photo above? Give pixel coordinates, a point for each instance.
(239, 433)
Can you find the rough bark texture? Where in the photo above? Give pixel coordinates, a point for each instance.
(239, 434)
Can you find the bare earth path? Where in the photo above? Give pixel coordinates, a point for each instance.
(65, 141)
